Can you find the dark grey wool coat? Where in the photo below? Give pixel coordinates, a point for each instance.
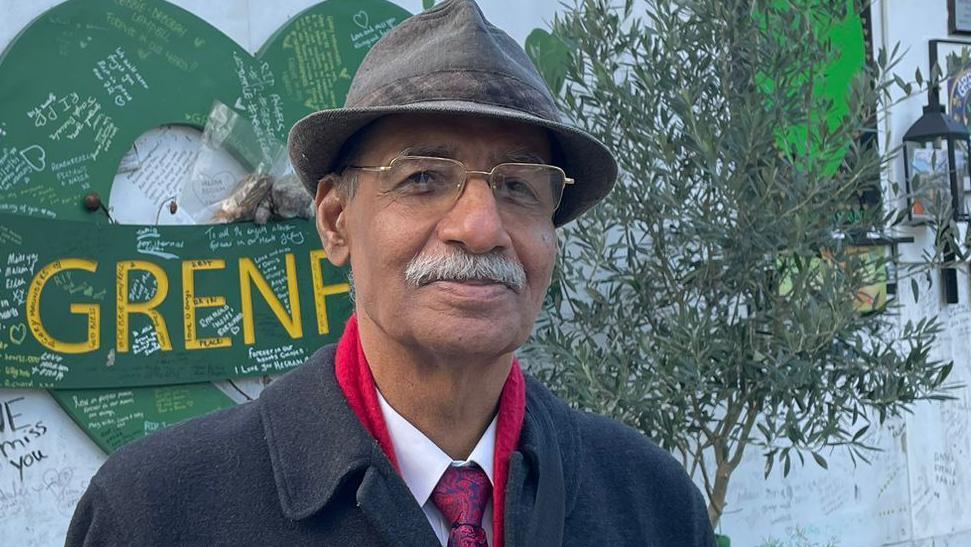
(296, 467)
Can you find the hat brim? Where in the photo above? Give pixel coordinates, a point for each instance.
(316, 140)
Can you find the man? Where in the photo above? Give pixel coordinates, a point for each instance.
(441, 183)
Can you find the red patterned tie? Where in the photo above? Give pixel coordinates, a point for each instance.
(461, 495)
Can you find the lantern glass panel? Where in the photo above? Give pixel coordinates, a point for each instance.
(962, 174)
(928, 181)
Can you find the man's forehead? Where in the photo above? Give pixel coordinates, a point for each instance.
(512, 154)
(456, 136)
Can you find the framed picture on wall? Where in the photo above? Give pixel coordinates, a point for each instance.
(954, 59)
(959, 16)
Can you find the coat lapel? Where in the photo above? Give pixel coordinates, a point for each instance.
(317, 446)
(313, 438)
(539, 493)
(391, 509)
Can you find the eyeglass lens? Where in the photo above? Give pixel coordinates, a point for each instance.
(436, 182)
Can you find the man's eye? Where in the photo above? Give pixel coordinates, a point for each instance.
(519, 191)
(423, 181)
(421, 177)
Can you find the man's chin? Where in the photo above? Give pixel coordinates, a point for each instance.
(467, 337)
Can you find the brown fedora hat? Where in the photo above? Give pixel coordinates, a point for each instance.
(450, 59)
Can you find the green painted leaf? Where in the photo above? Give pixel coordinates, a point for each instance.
(550, 55)
(832, 86)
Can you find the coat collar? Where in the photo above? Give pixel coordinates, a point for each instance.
(314, 439)
(317, 445)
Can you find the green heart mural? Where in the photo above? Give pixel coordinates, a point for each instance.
(84, 80)
(78, 86)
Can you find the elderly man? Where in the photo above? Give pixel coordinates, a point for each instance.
(441, 183)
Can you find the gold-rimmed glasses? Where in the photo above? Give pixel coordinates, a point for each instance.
(433, 185)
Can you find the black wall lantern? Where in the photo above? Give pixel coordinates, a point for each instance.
(937, 170)
(936, 155)
(936, 149)
(936, 164)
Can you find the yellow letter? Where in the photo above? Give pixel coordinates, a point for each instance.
(93, 311)
(190, 302)
(125, 308)
(321, 291)
(249, 272)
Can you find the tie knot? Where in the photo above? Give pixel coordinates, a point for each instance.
(462, 494)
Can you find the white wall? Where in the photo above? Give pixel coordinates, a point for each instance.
(251, 22)
(938, 445)
(916, 493)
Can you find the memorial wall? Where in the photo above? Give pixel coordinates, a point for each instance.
(124, 315)
(120, 312)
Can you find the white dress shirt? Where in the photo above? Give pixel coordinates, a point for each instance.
(422, 464)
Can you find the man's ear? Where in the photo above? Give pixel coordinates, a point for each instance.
(330, 221)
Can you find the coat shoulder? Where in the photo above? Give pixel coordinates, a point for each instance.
(190, 473)
(203, 444)
(649, 494)
(219, 444)
(610, 444)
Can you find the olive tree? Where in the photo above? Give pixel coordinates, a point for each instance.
(713, 299)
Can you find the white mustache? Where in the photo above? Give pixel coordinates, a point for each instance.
(458, 265)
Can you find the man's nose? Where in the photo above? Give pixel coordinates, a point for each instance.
(474, 221)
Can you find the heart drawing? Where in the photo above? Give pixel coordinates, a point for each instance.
(18, 332)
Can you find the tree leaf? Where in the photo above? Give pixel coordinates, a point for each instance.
(820, 460)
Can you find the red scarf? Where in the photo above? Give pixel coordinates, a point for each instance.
(356, 381)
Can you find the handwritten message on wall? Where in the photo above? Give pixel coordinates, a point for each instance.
(88, 77)
(127, 306)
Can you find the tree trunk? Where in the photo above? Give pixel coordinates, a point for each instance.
(726, 462)
(716, 505)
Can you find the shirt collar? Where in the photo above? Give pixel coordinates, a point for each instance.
(421, 461)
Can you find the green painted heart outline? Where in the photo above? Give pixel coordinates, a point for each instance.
(88, 77)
